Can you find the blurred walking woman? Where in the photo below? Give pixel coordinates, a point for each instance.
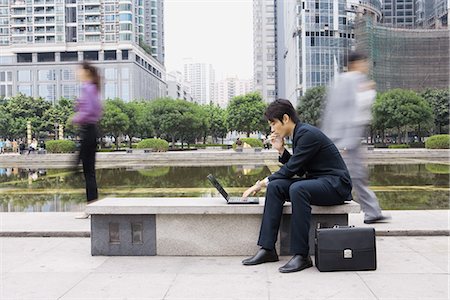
(88, 112)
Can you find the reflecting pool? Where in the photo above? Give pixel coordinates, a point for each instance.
(420, 186)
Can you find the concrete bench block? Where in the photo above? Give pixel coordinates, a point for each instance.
(193, 226)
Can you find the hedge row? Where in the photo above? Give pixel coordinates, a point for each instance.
(440, 141)
(60, 146)
(157, 145)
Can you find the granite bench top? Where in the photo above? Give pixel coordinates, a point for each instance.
(215, 206)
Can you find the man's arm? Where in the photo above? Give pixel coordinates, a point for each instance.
(307, 145)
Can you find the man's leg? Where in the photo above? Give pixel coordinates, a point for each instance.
(276, 194)
(302, 194)
(364, 196)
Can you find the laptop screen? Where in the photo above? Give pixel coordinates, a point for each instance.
(217, 185)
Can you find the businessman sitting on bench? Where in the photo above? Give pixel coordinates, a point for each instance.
(323, 179)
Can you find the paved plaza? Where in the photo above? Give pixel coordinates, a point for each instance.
(409, 267)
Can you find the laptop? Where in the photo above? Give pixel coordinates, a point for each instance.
(231, 200)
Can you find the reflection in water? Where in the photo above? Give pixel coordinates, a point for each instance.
(63, 189)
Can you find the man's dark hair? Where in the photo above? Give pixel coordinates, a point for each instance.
(356, 56)
(280, 107)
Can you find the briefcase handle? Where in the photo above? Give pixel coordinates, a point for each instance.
(340, 226)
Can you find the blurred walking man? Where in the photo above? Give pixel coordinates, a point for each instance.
(347, 113)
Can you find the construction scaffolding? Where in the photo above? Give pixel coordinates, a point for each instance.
(413, 59)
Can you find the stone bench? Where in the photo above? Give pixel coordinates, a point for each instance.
(192, 226)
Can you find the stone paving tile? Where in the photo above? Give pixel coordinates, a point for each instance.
(311, 284)
(408, 286)
(143, 264)
(121, 286)
(405, 262)
(41, 285)
(219, 286)
(17, 252)
(427, 243)
(71, 255)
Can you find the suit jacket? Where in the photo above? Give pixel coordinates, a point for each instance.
(341, 111)
(314, 156)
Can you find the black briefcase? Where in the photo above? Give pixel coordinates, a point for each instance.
(345, 249)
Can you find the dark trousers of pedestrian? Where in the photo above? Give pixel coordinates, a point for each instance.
(301, 193)
(88, 134)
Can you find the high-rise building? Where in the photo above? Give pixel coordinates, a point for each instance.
(432, 14)
(407, 58)
(43, 41)
(313, 40)
(177, 88)
(231, 87)
(399, 13)
(154, 27)
(264, 48)
(201, 78)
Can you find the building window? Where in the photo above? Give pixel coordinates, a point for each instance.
(125, 74)
(24, 76)
(110, 55)
(68, 74)
(24, 57)
(46, 75)
(69, 56)
(5, 91)
(124, 54)
(110, 90)
(111, 74)
(125, 91)
(47, 92)
(27, 90)
(90, 55)
(46, 56)
(69, 91)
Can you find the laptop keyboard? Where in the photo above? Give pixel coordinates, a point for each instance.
(239, 199)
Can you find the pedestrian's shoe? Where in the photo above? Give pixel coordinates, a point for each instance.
(380, 219)
(84, 215)
(262, 256)
(296, 263)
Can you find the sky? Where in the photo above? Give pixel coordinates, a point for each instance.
(219, 32)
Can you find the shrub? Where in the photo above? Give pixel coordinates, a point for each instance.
(158, 145)
(254, 143)
(398, 146)
(60, 146)
(440, 141)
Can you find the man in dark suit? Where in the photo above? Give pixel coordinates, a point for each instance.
(323, 179)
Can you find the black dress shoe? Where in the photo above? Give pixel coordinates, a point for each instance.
(380, 219)
(262, 256)
(297, 263)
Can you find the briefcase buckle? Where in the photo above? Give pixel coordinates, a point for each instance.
(348, 253)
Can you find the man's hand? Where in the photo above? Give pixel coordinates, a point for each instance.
(277, 142)
(255, 188)
(252, 190)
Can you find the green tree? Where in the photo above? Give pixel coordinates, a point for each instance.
(176, 119)
(246, 113)
(133, 110)
(400, 109)
(439, 101)
(217, 121)
(311, 104)
(59, 114)
(114, 122)
(18, 110)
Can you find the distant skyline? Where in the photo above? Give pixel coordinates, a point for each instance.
(219, 32)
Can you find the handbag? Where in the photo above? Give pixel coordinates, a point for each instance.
(345, 248)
